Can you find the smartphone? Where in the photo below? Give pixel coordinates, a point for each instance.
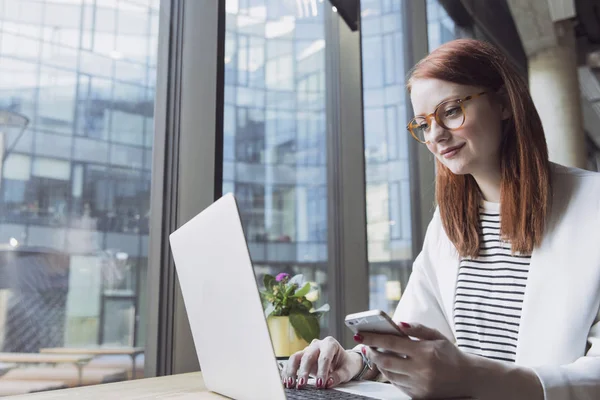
(373, 321)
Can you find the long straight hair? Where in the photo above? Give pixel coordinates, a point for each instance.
(525, 168)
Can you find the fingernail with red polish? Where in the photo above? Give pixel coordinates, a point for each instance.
(329, 382)
(358, 338)
(319, 383)
(364, 350)
(405, 325)
(290, 381)
(301, 382)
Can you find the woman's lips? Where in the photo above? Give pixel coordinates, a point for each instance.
(453, 152)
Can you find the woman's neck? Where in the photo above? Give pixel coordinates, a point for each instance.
(489, 183)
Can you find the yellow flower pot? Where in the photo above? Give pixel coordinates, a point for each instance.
(285, 340)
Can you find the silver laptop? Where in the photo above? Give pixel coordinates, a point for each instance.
(226, 316)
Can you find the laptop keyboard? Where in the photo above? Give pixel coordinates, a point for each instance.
(311, 392)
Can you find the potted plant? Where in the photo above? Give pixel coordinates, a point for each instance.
(293, 322)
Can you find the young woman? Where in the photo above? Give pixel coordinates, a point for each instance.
(504, 298)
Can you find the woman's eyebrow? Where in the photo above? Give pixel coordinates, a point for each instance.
(450, 97)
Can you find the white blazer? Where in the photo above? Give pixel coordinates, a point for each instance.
(559, 335)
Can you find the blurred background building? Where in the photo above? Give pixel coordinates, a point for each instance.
(80, 95)
(76, 179)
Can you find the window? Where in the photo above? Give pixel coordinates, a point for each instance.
(389, 218)
(440, 27)
(275, 153)
(75, 180)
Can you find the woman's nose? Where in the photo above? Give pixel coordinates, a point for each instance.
(437, 133)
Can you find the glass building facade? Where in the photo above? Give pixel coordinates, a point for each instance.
(275, 127)
(75, 179)
(389, 219)
(275, 152)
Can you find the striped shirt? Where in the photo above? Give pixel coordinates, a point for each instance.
(489, 293)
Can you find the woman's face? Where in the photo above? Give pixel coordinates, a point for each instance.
(475, 146)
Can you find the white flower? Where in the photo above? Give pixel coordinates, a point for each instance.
(313, 295)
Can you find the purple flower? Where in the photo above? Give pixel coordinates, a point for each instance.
(281, 276)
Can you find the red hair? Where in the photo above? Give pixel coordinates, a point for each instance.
(525, 168)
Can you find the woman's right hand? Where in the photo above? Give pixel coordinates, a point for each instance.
(326, 360)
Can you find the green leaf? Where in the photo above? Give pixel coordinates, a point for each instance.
(297, 279)
(263, 299)
(290, 289)
(302, 292)
(269, 281)
(306, 326)
(298, 307)
(269, 310)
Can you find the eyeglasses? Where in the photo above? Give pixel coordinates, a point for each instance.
(449, 114)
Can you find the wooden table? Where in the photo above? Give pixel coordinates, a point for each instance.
(132, 352)
(175, 387)
(34, 358)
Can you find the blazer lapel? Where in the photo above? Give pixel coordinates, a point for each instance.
(530, 327)
(448, 275)
(549, 312)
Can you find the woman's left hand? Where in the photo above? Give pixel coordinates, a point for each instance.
(433, 367)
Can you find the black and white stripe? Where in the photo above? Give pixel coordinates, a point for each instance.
(489, 294)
